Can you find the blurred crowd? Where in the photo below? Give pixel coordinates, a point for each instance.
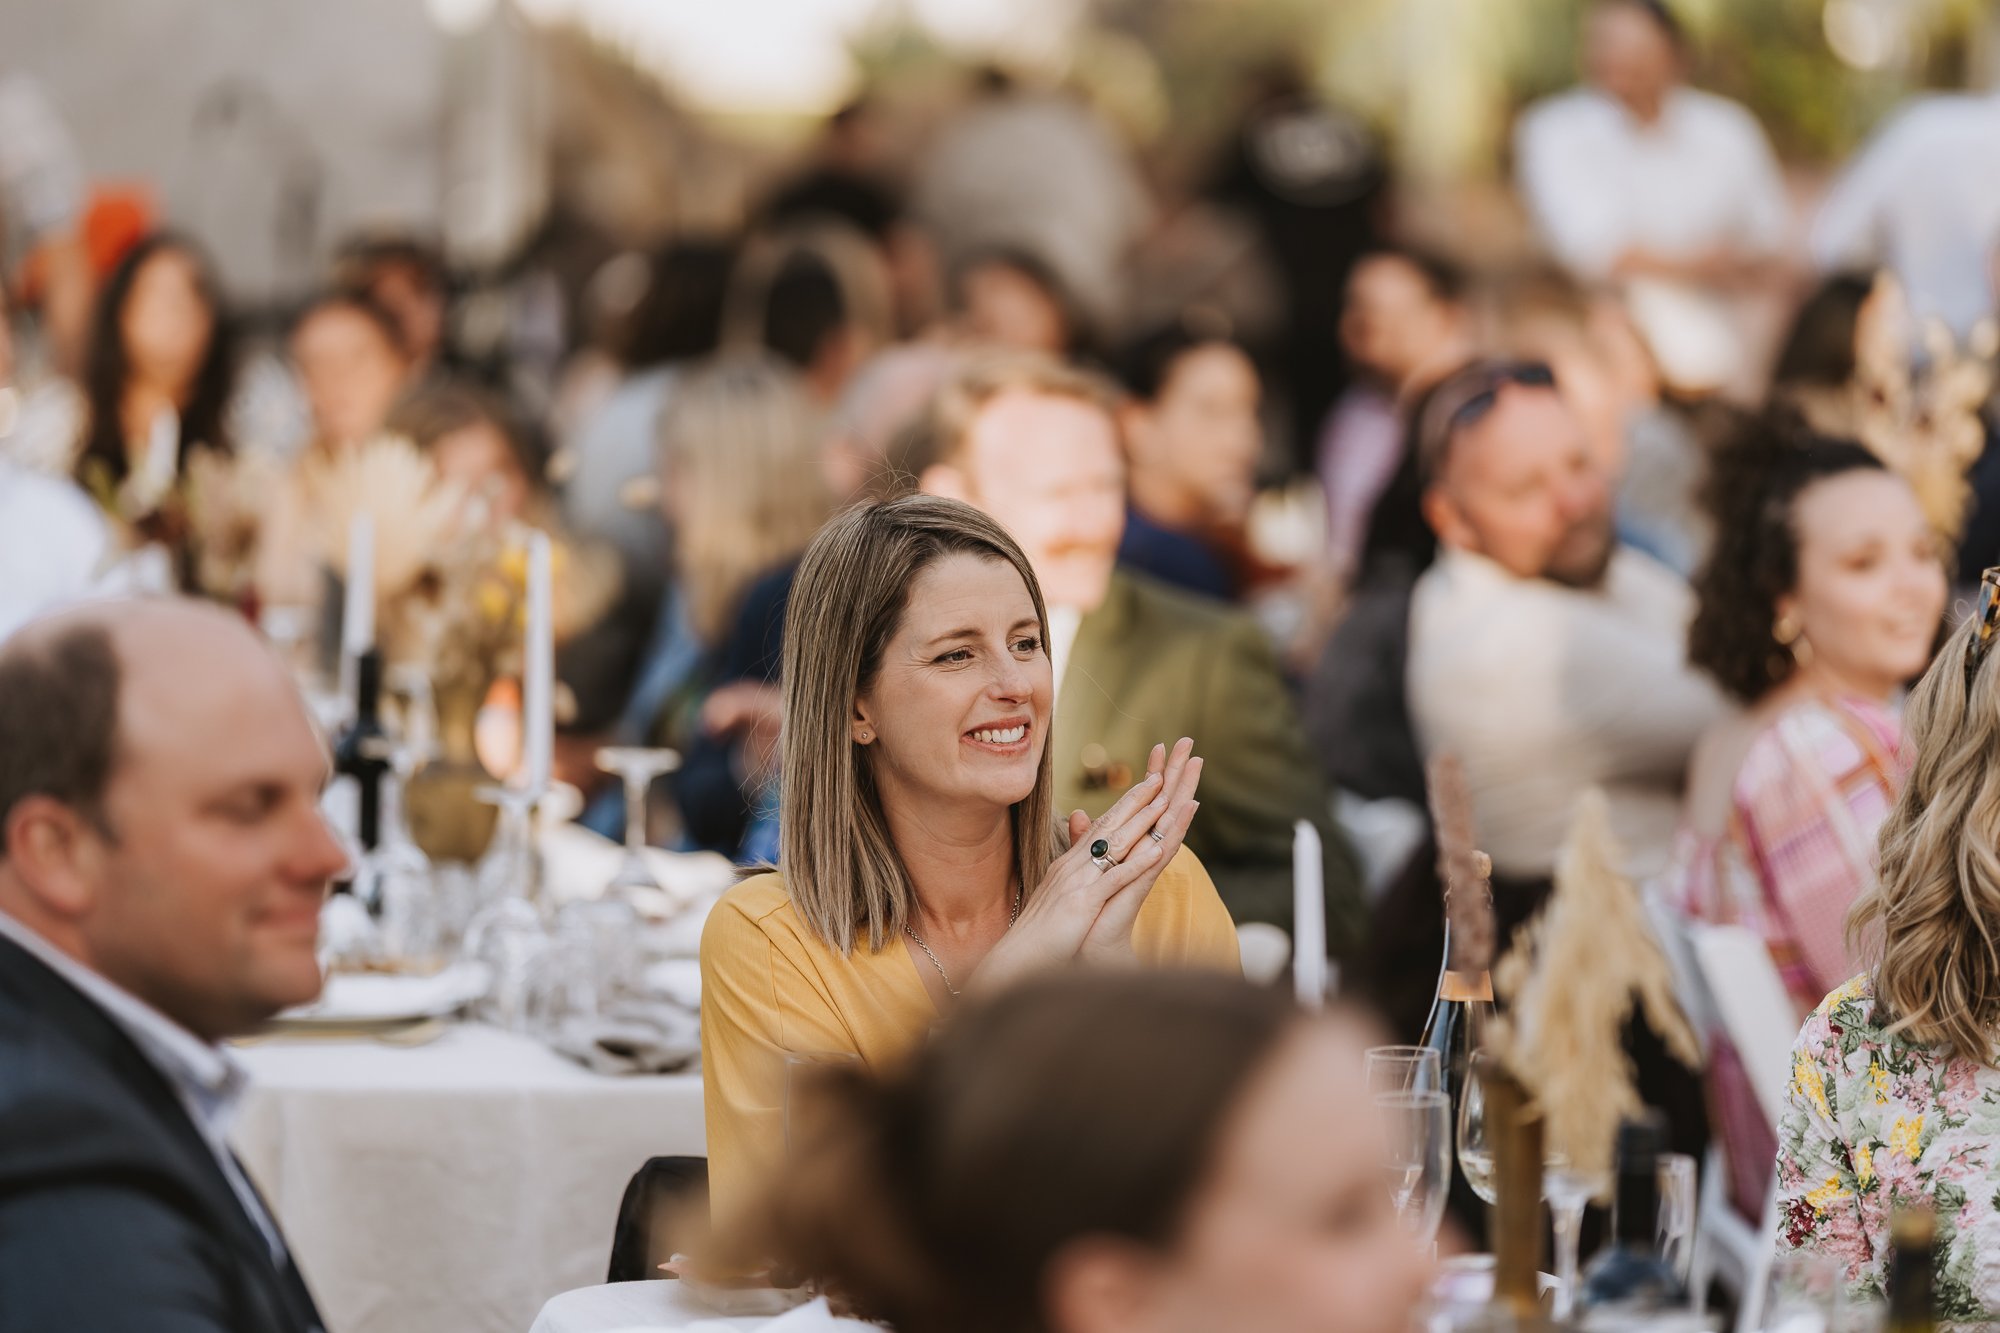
(1580, 521)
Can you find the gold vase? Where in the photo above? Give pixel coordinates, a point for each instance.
(1514, 1128)
(446, 817)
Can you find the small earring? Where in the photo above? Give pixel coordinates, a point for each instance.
(867, 736)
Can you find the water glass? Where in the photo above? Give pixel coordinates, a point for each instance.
(1417, 1161)
(1802, 1294)
(1403, 1069)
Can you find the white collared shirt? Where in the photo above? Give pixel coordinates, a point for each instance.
(1924, 198)
(1064, 621)
(209, 1081)
(1599, 182)
(1544, 691)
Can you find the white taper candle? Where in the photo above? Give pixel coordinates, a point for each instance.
(538, 675)
(357, 619)
(1309, 969)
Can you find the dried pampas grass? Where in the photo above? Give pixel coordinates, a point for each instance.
(416, 512)
(1571, 981)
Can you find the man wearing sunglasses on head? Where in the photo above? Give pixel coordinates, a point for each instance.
(1545, 655)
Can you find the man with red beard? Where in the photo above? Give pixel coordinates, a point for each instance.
(1546, 656)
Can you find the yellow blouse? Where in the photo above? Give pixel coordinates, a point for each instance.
(770, 986)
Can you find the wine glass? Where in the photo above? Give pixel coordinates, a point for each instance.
(1568, 1190)
(1403, 1069)
(1418, 1158)
(508, 934)
(1475, 1150)
(1677, 1209)
(638, 766)
(405, 891)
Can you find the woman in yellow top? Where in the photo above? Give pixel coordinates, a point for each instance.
(919, 853)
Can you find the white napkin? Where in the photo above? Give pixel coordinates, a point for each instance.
(632, 1037)
(380, 997)
(577, 863)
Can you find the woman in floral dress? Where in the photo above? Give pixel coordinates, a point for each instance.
(1894, 1098)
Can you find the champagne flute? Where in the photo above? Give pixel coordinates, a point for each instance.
(1475, 1150)
(637, 766)
(1403, 1069)
(1418, 1158)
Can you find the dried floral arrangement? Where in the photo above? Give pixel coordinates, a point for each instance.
(1571, 981)
(1924, 423)
(450, 578)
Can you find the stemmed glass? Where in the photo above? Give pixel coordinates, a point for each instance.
(1418, 1158)
(1677, 1208)
(1403, 1069)
(1475, 1150)
(402, 878)
(509, 934)
(1568, 1191)
(638, 766)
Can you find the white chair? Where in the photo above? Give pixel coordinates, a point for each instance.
(1750, 1004)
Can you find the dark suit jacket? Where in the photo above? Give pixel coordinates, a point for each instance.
(114, 1214)
(1153, 664)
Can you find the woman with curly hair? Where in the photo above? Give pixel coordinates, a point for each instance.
(1821, 599)
(1894, 1083)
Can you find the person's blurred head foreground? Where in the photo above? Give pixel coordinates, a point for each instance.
(1099, 1153)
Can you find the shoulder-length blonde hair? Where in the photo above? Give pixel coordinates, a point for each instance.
(1931, 925)
(739, 443)
(840, 865)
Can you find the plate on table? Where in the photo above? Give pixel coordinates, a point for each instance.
(369, 1001)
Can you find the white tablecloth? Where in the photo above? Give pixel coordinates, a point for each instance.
(628, 1307)
(454, 1187)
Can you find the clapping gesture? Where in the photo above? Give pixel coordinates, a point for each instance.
(1086, 905)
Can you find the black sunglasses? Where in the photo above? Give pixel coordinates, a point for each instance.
(1984, 619)
(1465, 397)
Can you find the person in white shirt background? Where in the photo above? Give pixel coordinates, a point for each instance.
(1546, 656)
(1672, 192)
(1923, 198)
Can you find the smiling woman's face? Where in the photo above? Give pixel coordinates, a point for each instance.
(958, 713)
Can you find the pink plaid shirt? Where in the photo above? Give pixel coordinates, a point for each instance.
(1800, 848)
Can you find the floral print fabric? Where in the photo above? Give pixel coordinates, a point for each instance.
(1873, 1122)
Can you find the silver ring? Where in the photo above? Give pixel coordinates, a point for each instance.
(1156, 835)
(1100, 855)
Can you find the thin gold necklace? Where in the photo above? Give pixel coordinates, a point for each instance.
(910, 930)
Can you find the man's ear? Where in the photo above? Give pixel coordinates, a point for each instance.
(54, 854)
(1446, 519)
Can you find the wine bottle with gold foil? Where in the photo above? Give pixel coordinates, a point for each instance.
(1913, 1271)
(1460, 1013)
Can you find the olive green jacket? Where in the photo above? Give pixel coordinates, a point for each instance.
(1153, 664)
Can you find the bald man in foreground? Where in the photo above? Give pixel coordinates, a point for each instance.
(162, 866)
